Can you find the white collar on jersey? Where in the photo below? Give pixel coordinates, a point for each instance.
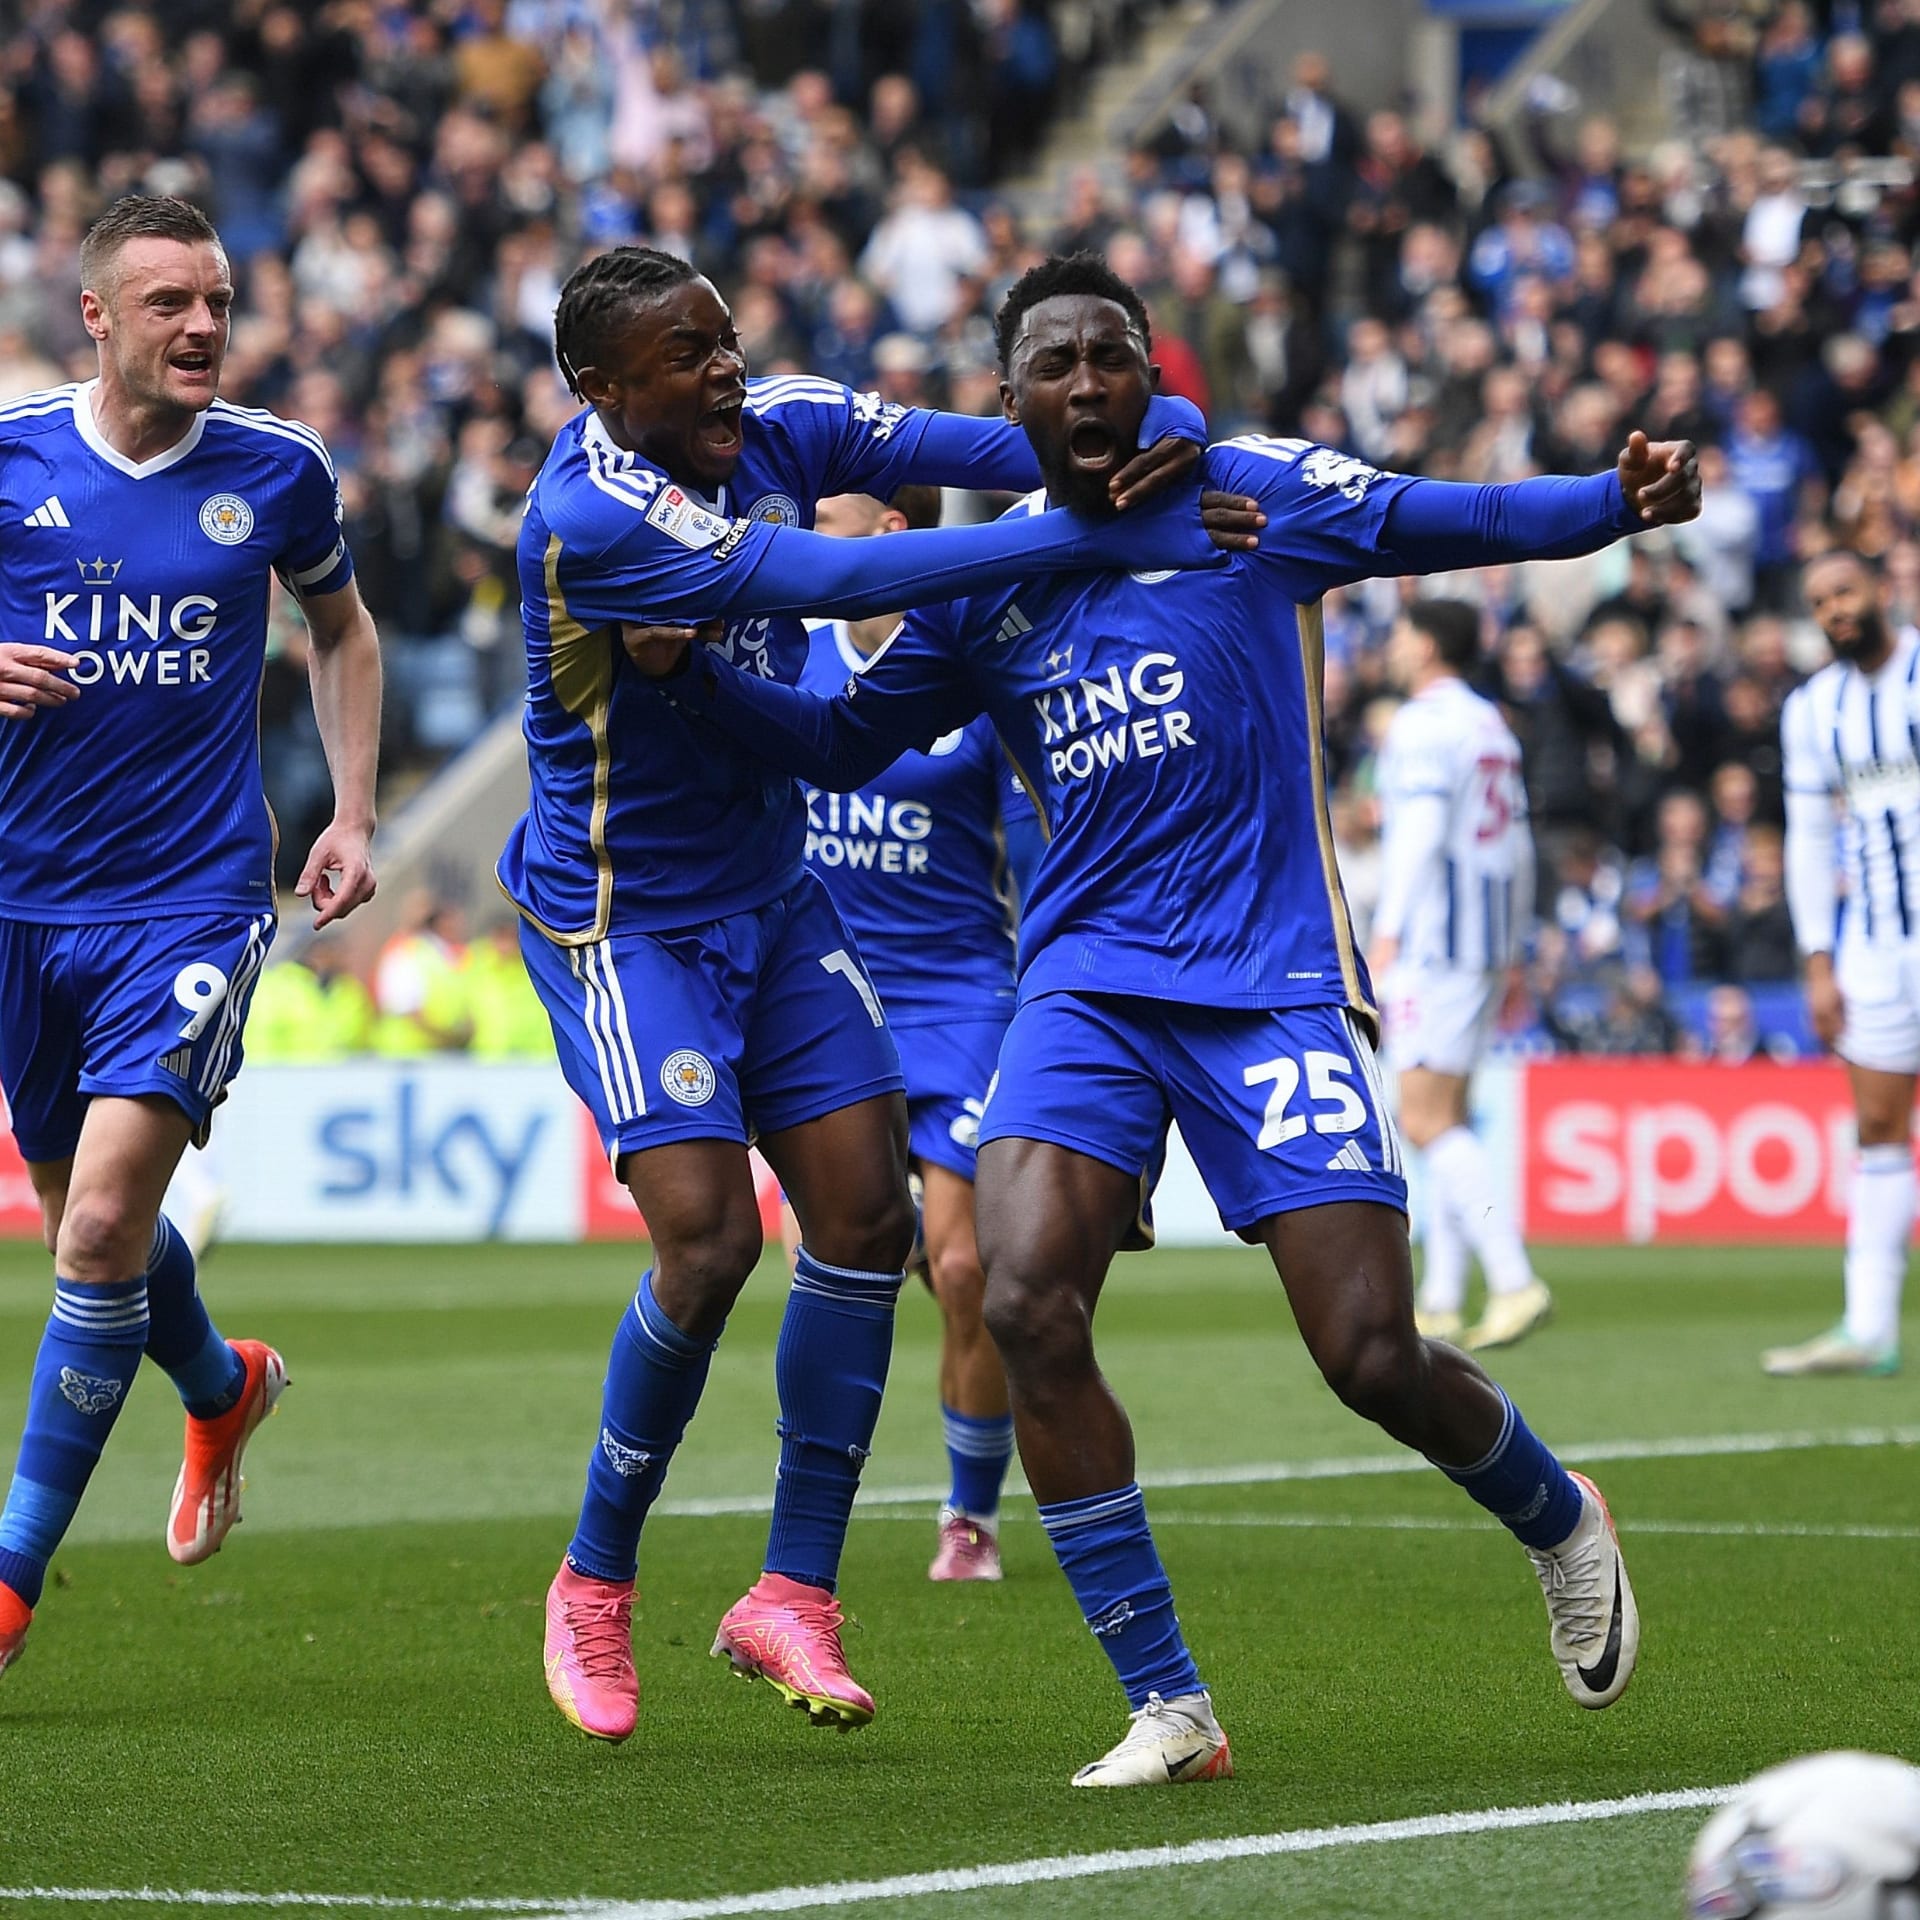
(88, 429)
(855, 660)
(596, 431)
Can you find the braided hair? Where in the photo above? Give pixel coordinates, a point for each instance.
(1085, 272)
(598, 296)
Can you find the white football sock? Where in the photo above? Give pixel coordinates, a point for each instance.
(1458, 1165)
(1443, 1272)
(1879, 1226)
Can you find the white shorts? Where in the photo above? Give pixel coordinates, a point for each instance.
(1881, 988)
(1437, 1018)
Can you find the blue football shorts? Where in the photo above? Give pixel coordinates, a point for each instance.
(1281, 1108)
(130, 1007)
(743, 1026)
(948, 1069)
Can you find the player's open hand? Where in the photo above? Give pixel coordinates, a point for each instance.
(1232, 520)
(338, 875)
(1661, 479)
(661, 652)
(30, 678)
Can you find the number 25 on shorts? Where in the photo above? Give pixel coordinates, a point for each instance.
(1335, 1106)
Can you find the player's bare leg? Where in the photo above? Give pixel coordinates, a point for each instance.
(703, 1219)
(846, 1176)
(973, 1384)
(115, 1182)
(1348, 1272)
(1466, 1210)
(1050, 1223)
(1880, 1213)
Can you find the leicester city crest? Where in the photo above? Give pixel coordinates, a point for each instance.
(776, 510)
(688, 1078)
(226, 518)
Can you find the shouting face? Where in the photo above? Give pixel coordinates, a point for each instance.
(672, 385)
(1078, 380)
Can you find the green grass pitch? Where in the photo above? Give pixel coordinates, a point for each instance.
(348, 1700)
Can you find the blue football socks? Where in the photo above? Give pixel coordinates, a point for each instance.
(1522, 1485)
(979, 1450)
(88, 1356)
(209, 1376)
(1107, 1553)
(831, 1368)
(655, 1374)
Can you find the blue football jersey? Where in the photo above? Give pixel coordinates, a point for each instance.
(640, 818)
(1170, 726)
(917, 863)
(143, 796)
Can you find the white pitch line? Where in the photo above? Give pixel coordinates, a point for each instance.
(906, 1886)
(1416, 1523)
(230, 1897)
(1367, 1465)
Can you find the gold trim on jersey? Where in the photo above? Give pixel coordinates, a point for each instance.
(1313, 667)
(580, 668)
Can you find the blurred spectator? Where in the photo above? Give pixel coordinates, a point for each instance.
(1759, 940)
(922, 250)
(419, 984)
(1561, 721)
(507, 1020)
(1632, 1019)
(1731, 1038)
(1524, 242)
(310, 1010)
(1775, 468)
(1584, 888)
(1786, 70)
(1724, 543)
(1329, 136)
(1674, 916)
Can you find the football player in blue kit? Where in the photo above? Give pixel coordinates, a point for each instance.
(142, 520)
(917, 865)
(700, 985)
(1187, 955)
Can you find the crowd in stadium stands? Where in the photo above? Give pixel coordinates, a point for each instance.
(403, 189)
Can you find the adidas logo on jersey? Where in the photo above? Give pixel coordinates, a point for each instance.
(1013, 626)
(50, 513)
(1350, 1160)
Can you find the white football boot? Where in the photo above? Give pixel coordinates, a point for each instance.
(1835, 1351)
(1596, 1626)
(1169, 1743)
(1509, 1317)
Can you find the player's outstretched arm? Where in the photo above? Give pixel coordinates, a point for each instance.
(912, 691)
(762, 569)
(30, 679)
(345, 672)
(1434, 526)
